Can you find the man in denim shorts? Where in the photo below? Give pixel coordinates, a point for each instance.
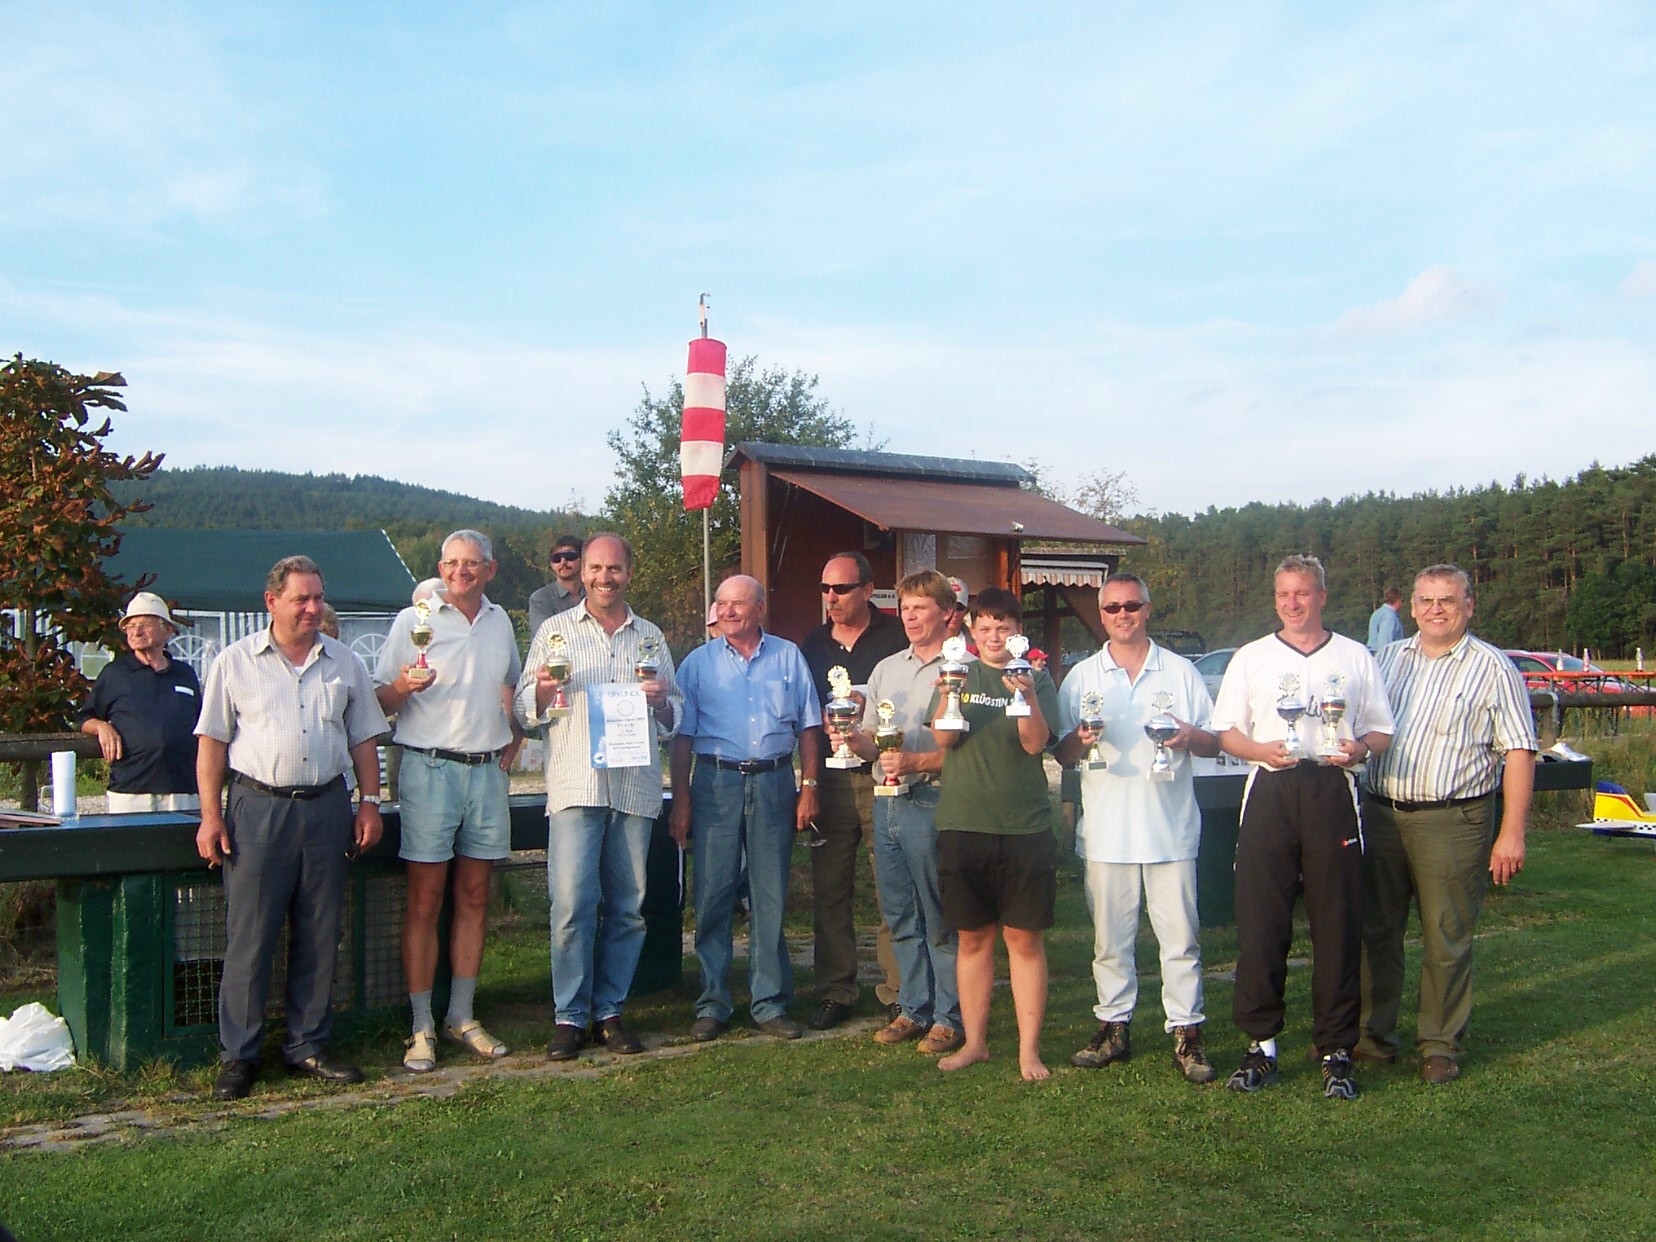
(458, 736)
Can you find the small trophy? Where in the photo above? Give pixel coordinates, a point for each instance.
(558, 668)
(888, 737)
(1092, 717)
(841, 711)
(1332, 706)
(1161, 729)
(1016, 667)
(648, 664)
(421, 635)
(952, 678)
(1291, 707)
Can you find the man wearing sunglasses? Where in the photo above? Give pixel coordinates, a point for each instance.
(1137, 835)
(565, 589)
(856, 636)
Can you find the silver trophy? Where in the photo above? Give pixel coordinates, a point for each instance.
(951, 678)
(1161, 729)
(647, 666)
(421, 635)
(1017, 666)
(1290, 706)
(1332, 706)
(841, 711)
(1092, 718)
(888, 737)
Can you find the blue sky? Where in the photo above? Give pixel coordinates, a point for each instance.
(1242, 252)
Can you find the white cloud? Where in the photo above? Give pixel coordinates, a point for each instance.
(1641, 281)
(1436, 293)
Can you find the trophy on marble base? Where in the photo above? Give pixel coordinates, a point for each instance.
(888, 737)
(1092, 717)
(1331, 704)
(1161, 729)
(421, 635)
(951, 678)
(1291, 707)
(841, 711)
(558, 668)
(1017, 666)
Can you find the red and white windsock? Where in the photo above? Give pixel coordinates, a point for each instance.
(701, 440)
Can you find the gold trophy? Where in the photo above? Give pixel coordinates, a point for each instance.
(842, 712)
(1092, 717)
(888, 737)
(1161, 729)
(1331, 705)
(558, 668)
(421, 635)
(647, 667)
(951, 678)
(1017, 666)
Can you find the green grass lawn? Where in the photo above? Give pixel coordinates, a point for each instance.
(1548, 1134)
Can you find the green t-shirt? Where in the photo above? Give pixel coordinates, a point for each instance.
(990, 783)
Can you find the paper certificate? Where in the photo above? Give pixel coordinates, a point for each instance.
(618, 722)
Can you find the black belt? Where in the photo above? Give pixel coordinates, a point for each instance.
(297, 793)
(472, 759)
(1443, 805)
(747, 767)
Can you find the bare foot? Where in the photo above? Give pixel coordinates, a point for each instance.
(1034, 1069)
(960, 1060)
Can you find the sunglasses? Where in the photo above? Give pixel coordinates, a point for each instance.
(841, 588)
(565, 556)
(1130, 607)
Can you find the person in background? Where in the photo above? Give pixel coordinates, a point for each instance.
(1385, 623)
(565, 589)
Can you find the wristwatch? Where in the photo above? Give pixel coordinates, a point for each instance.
(373, 799)
(808, 782)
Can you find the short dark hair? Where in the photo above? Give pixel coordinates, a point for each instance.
(567, 541)
(865, 571)
(1121, 575)
(276, 579)
(997, 602)
(1392, 595)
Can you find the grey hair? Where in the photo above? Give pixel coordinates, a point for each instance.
(282, 570)
(470, 536)
(1306, 564)
(1446, 570)
(1124, 576)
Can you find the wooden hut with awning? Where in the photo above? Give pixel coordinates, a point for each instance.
(965, 518)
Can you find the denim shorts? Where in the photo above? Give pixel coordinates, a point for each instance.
(451, 808)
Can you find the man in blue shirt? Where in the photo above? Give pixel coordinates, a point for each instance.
(1385, 625)
(748, 699)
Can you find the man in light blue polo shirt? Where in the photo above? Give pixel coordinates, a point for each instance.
(748, 699)
(1138, 834)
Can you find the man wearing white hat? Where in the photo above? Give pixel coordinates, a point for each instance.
(143, 711)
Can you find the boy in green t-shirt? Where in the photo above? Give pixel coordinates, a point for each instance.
(996, 855)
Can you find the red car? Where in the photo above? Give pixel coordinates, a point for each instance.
(1541, 671)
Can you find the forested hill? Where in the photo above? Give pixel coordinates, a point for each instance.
(1556, 564)
(416, 518)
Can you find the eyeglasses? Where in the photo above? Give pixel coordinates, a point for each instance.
(1130, 607)
(841, 588)
(474, 566)
(568, 554)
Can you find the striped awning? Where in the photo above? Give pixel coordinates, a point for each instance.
(1061, 569)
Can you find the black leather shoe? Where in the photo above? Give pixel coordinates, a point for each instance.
(235, 1080)
(319, 1066)
(829, 1014)
(615, 1036)
(707, 1028)
(567, 1042)
(782, 1027)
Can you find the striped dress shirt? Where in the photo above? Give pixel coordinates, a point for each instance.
(596, 657)
(286, 725)
(1457, 716)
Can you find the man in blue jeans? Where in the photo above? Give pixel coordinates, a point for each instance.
(905, 828)
(748, 700)
(598, 813)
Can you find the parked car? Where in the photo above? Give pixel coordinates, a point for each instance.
(1541, 669)
(1212, 667)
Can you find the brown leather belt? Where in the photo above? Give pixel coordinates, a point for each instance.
(1443, 805)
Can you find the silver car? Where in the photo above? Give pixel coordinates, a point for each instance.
(1212, 667)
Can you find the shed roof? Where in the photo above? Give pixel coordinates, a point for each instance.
(224, 570)
(893, 465)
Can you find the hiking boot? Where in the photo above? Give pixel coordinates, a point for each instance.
(1113, 1042)
(1188, 1057)
(1256, 1072)
(1338, 1082)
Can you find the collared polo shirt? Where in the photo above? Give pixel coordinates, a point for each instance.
(596, 657)
(1457, 716)
(1126, 817)
(287, 725)
(1385, 627)
(549, 601)
(463, 708)
(883, 636)
(1253, 684)
(155, 713)
(909, 683)
(738, 708)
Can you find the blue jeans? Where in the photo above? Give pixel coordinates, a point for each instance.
(595, 881)
(730, 812)
(905, 863)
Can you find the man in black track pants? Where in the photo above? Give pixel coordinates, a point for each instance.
(1299, 828)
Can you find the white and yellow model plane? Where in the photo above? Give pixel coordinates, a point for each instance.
(1615, 814)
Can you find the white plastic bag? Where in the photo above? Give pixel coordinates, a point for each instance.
(34, 1038)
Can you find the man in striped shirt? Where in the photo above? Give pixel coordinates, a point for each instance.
(1464, 729)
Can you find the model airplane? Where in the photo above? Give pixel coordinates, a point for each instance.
(1615, 814)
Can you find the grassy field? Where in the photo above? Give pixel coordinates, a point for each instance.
(1548, 1134)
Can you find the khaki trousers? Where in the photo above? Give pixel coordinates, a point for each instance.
(846, 820)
